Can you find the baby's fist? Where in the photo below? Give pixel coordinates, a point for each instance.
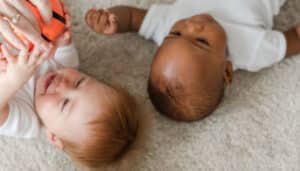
(102, 21)
(63, 40)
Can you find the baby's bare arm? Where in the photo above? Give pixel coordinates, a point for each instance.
(19, 70)
(6, 94)
(293, 41)
(130, 19)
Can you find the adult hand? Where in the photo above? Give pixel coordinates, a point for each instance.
(26, 22)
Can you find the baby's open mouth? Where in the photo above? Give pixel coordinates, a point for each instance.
(48, 82)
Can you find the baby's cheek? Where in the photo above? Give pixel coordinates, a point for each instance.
(47, 104)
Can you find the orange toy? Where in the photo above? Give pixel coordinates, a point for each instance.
(56, 27)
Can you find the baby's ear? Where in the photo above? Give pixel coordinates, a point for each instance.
(228, 74)
(57, 142)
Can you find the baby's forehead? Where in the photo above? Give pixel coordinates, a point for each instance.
(181, 71)
(178, 23)
(178, 79)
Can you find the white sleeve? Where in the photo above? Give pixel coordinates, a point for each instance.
(67, 56)
(270, 50)
(273, 6)
(22, 122)
(270, 8)
(156, 24)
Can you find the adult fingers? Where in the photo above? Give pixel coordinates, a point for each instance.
(22, 25)
(35, 54)
(9, 34)
(22, 8)
(7, 10)
(45, 55)
(45, 9)
(23, 56)
(25, 28)
(9, 57)
(52, 50)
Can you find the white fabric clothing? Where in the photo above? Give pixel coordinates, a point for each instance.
(252, 43)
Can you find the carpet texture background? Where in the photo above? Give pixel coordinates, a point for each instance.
(257, 127)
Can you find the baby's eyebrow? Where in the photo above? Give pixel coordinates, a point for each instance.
(170, 37)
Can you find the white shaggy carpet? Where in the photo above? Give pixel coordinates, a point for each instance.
(256, 127)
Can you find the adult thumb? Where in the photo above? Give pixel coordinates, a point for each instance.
(44, 8)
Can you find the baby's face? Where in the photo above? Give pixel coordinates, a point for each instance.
(66, 100)
(193, 53)
(202, 31)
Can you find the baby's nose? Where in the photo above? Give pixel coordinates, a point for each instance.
(63, 84)
(193, 27)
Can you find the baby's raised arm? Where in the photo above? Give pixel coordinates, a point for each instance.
(19, 70)
(293, 41)
(118, 19)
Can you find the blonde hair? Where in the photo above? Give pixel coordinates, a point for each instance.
(112, 135)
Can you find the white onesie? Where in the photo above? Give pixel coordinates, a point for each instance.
(22, 120)
(252, 43)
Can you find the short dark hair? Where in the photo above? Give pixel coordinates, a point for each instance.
(172, 100)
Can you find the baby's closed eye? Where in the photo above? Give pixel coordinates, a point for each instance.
(203, 41)
(175, 33)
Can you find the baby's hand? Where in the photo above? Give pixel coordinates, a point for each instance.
(63, 40)
(102, 21)
(19, 69)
